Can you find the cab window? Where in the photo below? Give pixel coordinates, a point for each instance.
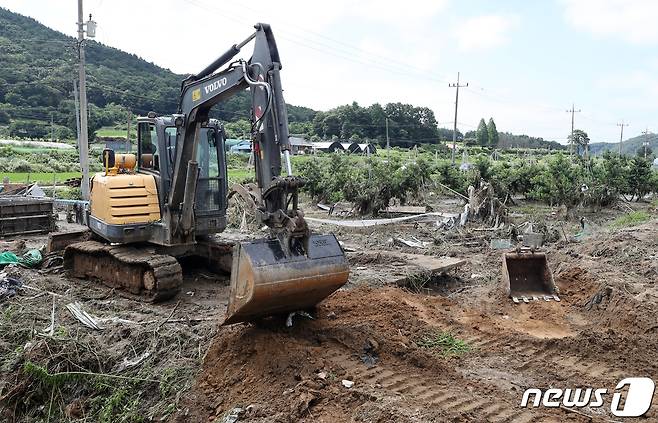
(148, 146)
(207, 153)
(171, 133)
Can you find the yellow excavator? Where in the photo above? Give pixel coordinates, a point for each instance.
(148, 210)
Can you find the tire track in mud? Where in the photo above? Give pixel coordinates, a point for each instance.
(533, 352)
(381, 380)
(527, 355)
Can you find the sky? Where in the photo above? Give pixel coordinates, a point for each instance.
(525, 62)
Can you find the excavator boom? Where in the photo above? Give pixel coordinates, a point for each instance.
(292, 269)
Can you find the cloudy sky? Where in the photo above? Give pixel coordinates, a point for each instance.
(525, 61)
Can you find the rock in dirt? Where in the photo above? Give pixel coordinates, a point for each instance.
(347, 383)
(232, 415)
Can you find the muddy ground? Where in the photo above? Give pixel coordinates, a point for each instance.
(173, 362)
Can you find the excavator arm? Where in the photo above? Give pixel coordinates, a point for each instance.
(291, 269)
(200, 92)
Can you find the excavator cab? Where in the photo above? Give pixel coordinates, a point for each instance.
(158, 137)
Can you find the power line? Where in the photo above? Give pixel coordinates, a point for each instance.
(384, 63)
(306, 31)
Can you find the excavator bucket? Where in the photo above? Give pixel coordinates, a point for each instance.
(526, 276)
(265, 281)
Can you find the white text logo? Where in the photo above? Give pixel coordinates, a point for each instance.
(637, 399)
(215, 85)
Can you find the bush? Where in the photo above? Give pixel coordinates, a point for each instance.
(451, 176)
(370, 184)
(236, 160)
(630, 219)
(558, 183)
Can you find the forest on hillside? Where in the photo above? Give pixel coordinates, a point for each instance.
(39, 66)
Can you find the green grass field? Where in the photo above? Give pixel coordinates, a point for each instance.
(39, 177)
(234, 175)
(108, 131)
(238, 175)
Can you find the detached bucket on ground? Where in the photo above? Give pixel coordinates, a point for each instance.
(265, 281)
(527, 276)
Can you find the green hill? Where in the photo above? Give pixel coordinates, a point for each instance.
(39, 65)
(630, 146)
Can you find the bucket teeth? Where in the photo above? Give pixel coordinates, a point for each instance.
(527, 300)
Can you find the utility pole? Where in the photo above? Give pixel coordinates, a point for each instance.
(52, 128)
(621, 135)
(388, 142)
(573, 111)
(454, 129)
(646, 142)
(77, 113)
(130, 117)
(83, 134)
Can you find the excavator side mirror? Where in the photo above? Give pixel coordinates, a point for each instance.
(212, 138)
(108, 158)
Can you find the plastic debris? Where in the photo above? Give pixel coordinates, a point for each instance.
(82, 316)
(8, 286)
(347, 383)
(126, 363)
(30, 259)
(500, 244)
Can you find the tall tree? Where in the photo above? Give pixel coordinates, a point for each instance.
(580, 140)
(482, 134)
(492, 132)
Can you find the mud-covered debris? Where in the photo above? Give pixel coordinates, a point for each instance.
(603, 295)
(232, 416)
(297, 313)
(412, 243)
(370, 353)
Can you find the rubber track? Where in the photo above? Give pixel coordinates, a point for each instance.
(166, 269)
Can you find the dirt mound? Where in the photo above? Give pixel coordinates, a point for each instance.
(291, 374)
(576, 285)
